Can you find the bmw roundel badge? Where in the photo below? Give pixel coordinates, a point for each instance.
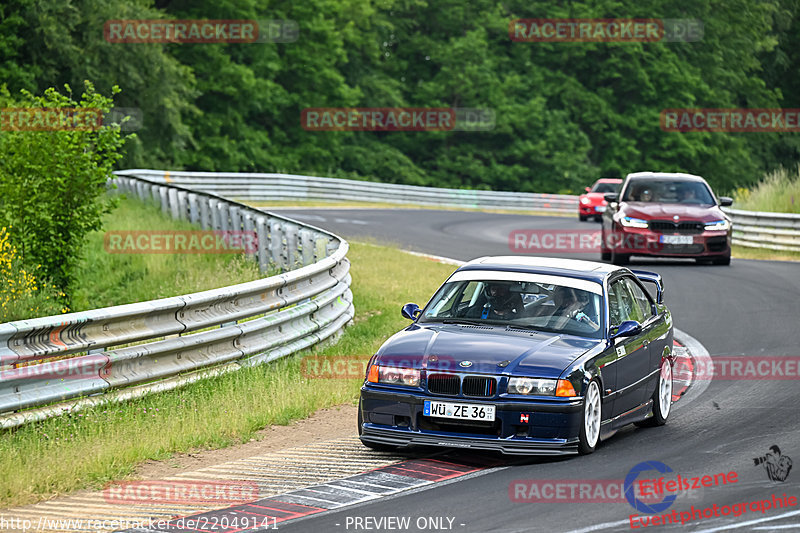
(465, 364)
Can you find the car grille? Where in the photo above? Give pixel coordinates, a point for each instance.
(443, 384)
(667, 226)
(682, 249)
(479, 386)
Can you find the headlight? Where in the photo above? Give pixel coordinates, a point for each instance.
(543, 387)
(630, 222)
(718, 225)
(585, 200)
(393, 375)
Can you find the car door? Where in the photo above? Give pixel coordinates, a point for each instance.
(632, 353)
(654, 332)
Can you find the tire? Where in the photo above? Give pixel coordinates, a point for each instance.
(619, 259)
(598, 219)
(724, 260)
(592, 416)
(371, 445)
(583, 218)
(662, 397)
(605, 253)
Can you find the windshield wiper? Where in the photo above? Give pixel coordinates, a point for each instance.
(528, 327)
(466, 321)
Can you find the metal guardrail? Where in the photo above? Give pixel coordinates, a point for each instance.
(774, 231)
(288, 187)
(62, 357)
(758, 229)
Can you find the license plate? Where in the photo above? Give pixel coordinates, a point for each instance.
(600, 208)
(676, 239)
(459, 411)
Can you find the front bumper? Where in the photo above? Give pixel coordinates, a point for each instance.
(643, 241)
(396, 419)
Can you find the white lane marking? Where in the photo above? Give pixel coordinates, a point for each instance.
(351, 221)
(702, 359)
(749, 522)
(772, 528)
(305, 216)
(599, 527)
(445, 260)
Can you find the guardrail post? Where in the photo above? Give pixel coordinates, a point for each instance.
(183, 205)
(205, 212)
(172, 196)
(236, 218)
(164, 194)
(194, 211)
(250, 238)
(291, 245)
(212, 207)
(262, 230)
(224, 223)
(307, 246)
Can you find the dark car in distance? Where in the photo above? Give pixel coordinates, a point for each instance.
(666, 215)
(523, 356)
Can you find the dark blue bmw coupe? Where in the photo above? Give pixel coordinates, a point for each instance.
(524, 356)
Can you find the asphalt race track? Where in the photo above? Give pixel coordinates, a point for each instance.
(751, 308)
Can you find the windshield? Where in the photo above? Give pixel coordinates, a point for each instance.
(605, 187)
(532, 305)
(668, 191)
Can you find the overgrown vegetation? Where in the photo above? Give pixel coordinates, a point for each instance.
(53, 183)
(90, 448)
(779, 191)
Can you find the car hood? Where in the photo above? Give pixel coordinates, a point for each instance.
(595, 197)
(450, 347)
(648, 211)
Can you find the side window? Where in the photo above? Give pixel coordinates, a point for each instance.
(620, 303)
(641, 299)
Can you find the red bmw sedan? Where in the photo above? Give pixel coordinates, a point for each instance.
(666, 215)
(593, 203)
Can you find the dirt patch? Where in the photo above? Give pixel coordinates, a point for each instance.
(323, 425)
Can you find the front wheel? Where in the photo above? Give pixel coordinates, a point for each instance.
(592, 415)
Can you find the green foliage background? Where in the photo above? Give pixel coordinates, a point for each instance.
(567, 113)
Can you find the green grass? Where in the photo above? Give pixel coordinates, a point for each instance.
(778, 192)
(105, 279)
(95, 446)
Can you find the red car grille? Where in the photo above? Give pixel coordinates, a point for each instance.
(667, 226)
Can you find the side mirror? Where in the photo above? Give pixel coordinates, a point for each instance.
(725, 201)
(611, 197)
(629, 328)
(587, 189)
(410, 311)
